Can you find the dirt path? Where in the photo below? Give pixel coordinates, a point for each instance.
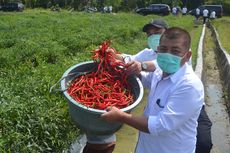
(215, 102)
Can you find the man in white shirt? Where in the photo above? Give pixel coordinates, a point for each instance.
(205, 15)
(110, 9)
(174, 11)
(105, 9)
(176, 96)
(184, 10)
(154, 29)
(213, 15)
(146, 56)
(197, 14)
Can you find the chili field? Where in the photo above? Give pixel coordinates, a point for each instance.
(36, 48)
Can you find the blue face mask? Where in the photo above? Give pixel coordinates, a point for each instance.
(168, 63)
(153, 41)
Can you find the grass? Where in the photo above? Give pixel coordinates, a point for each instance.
(222, 27)
(36, 47)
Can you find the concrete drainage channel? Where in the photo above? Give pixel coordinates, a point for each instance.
(216, 72)
(213, 67)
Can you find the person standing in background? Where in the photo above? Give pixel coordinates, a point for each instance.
(174, 10)
(110, 9)
(184, 10)
(205, 15)
(105, 9)
(212, 15)
(197, 15)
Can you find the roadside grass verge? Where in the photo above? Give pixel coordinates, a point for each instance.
(36, 47)
(222, 26)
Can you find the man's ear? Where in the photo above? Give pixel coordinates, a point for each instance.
(163, 30)
(189, 55)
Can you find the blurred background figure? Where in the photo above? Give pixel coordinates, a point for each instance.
(110, 9)
(212, 15)
(174, 10)
(197, 14)
(184, 10)
(205, 15)
(105, 9)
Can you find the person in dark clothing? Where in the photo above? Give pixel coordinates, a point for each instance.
(204, 140)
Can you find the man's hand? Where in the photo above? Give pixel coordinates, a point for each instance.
(114, 53)
(133, 67)
(113, 114)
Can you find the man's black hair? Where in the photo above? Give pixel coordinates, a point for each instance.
(175, 33)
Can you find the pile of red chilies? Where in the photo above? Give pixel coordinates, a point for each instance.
(105, 87)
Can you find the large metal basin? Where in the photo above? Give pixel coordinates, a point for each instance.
(88, 119)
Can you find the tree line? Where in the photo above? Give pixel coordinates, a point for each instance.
(118, 5)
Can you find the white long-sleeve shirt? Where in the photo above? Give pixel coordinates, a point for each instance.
(213, 15)
(173, 107)
(143, 55)
(197, 11)
(184, 10)
(205, 13)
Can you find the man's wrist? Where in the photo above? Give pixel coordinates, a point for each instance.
(125, 116)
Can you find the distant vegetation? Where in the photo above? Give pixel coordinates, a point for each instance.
(36, 48)
(222, 26)
(118, 5)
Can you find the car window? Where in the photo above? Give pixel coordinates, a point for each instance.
(153, 7)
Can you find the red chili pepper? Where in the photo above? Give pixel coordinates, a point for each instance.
(107, 86)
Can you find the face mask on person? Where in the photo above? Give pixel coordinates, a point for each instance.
(153, 41)
(169, 63)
